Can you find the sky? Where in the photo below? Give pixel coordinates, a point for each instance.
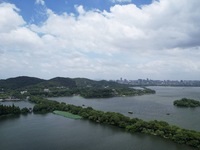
(100, 39)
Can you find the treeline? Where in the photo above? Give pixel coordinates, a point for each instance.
(54, 93)
(12, 110)
(185, 102)
(133, 92)
(97, 93)
(44, 105)
(113, 92)
(133, 125)
(89, 92)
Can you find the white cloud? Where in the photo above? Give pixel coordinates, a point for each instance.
(158, 40)
(9, 17)
(40, 2)
(120, 1)
(80, 9)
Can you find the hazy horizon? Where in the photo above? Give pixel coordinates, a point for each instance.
(97, 79)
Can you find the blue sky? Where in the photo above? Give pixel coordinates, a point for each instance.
(100, 39)
(29, 9)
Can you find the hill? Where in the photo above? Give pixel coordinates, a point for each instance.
(57, 82)
(83, 82)
(19, 82)
(61, 86)
(24, 82)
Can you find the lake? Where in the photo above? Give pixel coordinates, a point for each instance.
(56, 132)
(157, 106)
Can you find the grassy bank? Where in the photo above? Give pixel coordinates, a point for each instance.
(67, 114)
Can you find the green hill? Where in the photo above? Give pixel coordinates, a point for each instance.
(61, 86)
(83, 82)
(58, 82)
(19, 82)
(24, 82)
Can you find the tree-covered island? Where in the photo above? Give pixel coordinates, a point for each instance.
(185, 102)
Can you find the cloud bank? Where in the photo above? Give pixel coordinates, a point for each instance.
(159, 41)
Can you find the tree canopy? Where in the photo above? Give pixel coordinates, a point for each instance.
(12, 110)
(185, 102)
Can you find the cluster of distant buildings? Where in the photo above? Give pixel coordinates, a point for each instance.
(149, 82)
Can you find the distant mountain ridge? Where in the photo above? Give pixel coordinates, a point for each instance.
(23, 82)
(19, 82)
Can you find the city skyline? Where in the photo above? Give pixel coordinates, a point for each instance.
(100, 39)
(151, 82)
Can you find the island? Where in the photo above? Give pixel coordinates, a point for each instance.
(185, 102)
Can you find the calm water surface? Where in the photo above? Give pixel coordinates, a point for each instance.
(150, 107)
(52, 132)
(56, 132)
